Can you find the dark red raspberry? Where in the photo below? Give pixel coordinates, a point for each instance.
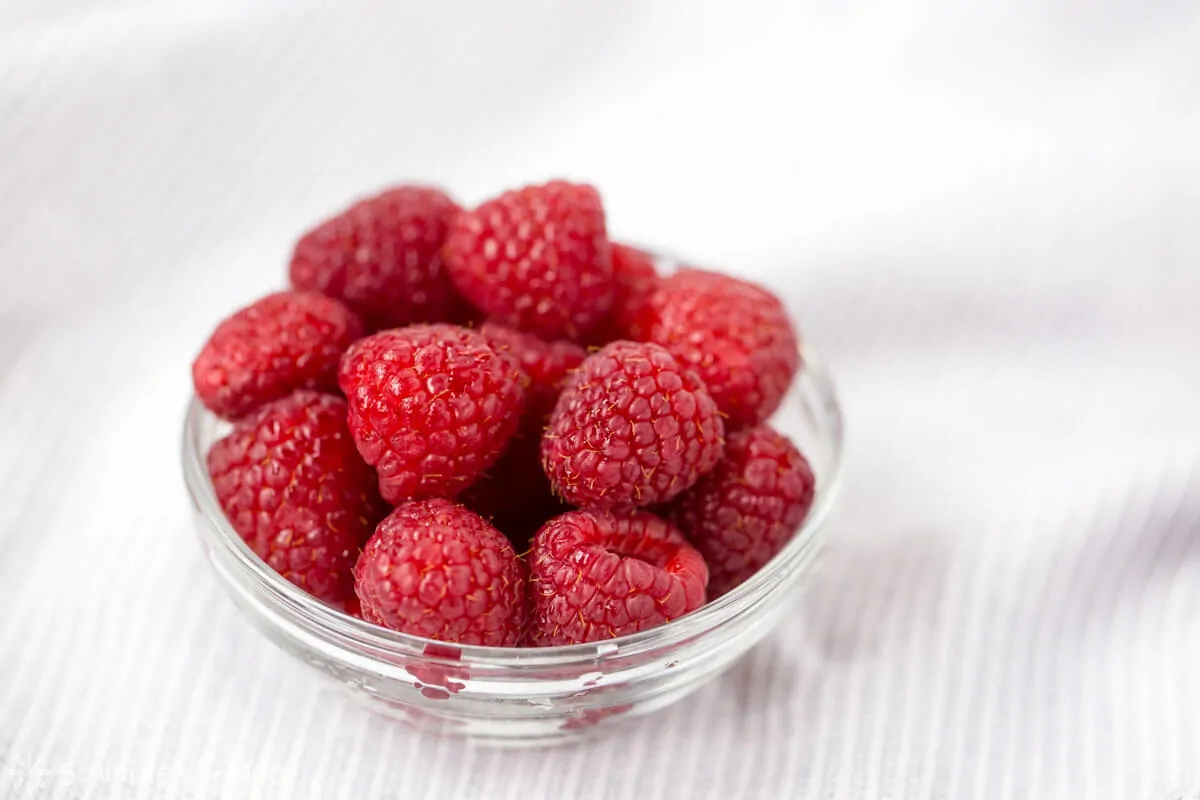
(735, 334)
(632, 427)
(350, 605)
(546, 364)
(284, 342)
(743, 512)
(431, 407)
(597, 574)
(536, 259)
(635, 280)
(294, 487)
(515, 494)
(435, 569)
(382, 257)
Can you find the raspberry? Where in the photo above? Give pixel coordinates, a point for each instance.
(536, 259)
(546, 364)
(743, 512)
(635, 279)
(596, 575)
(515, 494)
(350, 605)
(632, 427)
(267, 350)
(735, 334)
(431, 407)
(435, 569)
(382, 257)
(294, 487)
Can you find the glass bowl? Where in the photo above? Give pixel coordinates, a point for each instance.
(530, 695)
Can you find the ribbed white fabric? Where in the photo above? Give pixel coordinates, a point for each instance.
(985, 214)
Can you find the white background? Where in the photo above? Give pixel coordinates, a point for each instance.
(986, 214)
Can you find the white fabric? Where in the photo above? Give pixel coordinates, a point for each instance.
(985, 214)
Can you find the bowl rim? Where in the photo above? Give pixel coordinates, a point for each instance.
(339, 628)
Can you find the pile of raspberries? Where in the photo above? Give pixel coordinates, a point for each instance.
(498, 427)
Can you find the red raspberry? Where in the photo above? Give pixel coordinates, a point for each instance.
(743, 512)
(635, 280)
(536, 259)
(294, 487)
(435, 569)
(735, 334)
(382, 257)
(267, 350)
(596, 575)
(632, 427)
(546, 364)
(431, 406)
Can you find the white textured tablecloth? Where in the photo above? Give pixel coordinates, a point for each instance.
(986, 214)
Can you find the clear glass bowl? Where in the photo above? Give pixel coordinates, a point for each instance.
(533, 695)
